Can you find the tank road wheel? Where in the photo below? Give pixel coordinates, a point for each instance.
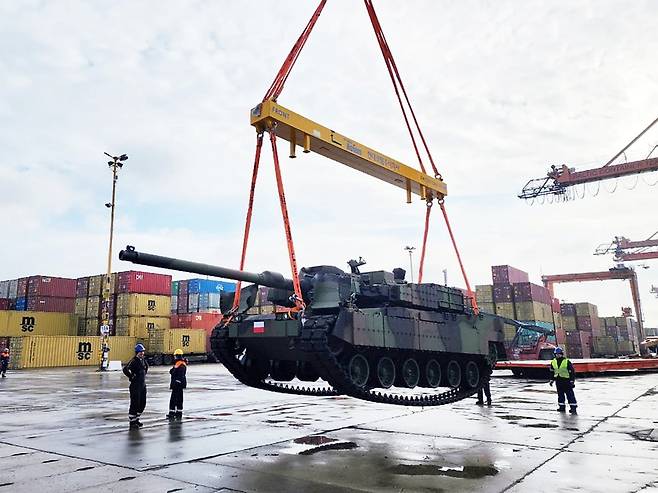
(358, 370)
(385, 372)
(453, 374)
(410, 373)
(283, 370)
(472, 374)
(256, 368)
(432, 374)
(306, 372)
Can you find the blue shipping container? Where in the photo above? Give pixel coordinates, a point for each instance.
(21, 303)
(209, 286)
(209, 301)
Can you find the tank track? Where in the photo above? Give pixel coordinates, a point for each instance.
(314, 339)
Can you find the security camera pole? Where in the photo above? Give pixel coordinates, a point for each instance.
(410, 249)
(115, 165)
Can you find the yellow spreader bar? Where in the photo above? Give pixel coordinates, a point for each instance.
(300, 131)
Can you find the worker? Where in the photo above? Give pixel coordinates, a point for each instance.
(4, 361)
(136, 370)
(177, 384)
(564, 376)
(485, 389)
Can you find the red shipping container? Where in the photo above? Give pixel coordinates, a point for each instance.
(503, 293)
(81, 287)
(506, 274)
(527, 291)
(4, 303)
(555, 305)
(21, 291)
(561, 336)
(50, 304)
(573, 337)
(144, 282)
(59, 287)
(568, 309)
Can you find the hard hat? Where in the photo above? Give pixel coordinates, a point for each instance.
(558, 350)
(139, 348)
(178, 352)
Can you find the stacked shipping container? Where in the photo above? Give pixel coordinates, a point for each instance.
(38, 293)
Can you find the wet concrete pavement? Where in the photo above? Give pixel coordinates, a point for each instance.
(66, 430)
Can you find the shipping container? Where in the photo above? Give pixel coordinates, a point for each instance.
(487, 307)
(93, 307)
(586, 310)
(506, 274)
(533, 310)
(557, 320)
(13, 289)
(92, 327)
(144, 283)
(568, 309)
(140, 326)
(174, 303)
(82, 327)
(174, 288)
(45, 352)
(555, 305)
(568, 322)
(181, 303)
(209, 286)
(143, 304)
(191, 341)
(484, 293)
(22, 323)
(560, 336)
(95, 286)
(604, 346)
(625, 347)
(81, 307)
(206, 321)
(59, 287)
(527, 291)
(505, 310)
(21, 287)
(584, 323)
(192, 303)
(21, 303)
(4, 303)
(4, 289)
(503, 293)
(182, 288)
(538, 323)
(81, 287)
(50, 304)
(209, 301)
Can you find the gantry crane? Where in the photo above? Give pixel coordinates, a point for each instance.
(560, 178)
(619, 272)
(654, 290)
(627, 250)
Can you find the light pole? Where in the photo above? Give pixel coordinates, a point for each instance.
(115, 164)
(410, 249)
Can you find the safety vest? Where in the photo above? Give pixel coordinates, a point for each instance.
(561, 370)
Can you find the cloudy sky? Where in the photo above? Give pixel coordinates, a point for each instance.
(502, 90)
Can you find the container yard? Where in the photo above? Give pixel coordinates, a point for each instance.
(460, 297)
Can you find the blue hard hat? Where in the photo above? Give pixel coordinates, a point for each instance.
(140, 348)
(558, 350)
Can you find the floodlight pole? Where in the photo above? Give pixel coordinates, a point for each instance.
(410, 249)
(115, 164)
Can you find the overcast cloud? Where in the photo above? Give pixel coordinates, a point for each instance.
(502, 90)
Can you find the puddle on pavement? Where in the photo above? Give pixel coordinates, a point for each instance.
(540, 425)
(314, 440)
(513, 417)
(312, 444)
(465, 472)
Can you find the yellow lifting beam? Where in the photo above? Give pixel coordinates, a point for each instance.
(314, 137)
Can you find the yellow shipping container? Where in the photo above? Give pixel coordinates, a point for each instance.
(93, 306)
(147, 305)
(568, 323)
(533, 310)
(191, 341)
(44, 351)
(140, 326)
(487, 307)
(20, 323)
(81, 307)
(505, 309)
(484, 293)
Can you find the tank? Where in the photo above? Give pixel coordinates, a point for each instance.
(369, 335)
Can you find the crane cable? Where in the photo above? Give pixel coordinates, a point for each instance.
(397, 80)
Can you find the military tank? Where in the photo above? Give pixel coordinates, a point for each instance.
(369, 335)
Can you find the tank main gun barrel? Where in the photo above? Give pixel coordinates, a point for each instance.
(266, 278)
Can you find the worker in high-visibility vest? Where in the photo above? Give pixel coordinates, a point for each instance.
(564, 376)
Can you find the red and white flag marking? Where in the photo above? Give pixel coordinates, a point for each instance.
(259, 327)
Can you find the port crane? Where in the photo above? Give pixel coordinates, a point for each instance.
(626, 250)
(559, 178)
(619, 272)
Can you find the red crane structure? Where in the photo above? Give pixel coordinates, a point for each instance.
(626, 250)
(560, 178)
(623, 273)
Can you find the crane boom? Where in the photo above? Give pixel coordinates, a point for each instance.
(627, 250)
(312, 136)
(623, 273)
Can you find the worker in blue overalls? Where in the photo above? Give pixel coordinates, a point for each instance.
(564, 376)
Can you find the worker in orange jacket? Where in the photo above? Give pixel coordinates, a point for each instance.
(178, 383)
